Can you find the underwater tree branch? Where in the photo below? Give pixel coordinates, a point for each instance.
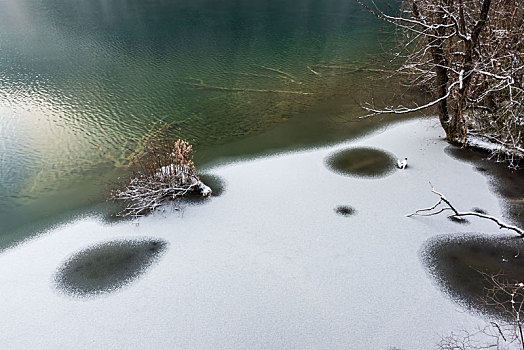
(202, 85)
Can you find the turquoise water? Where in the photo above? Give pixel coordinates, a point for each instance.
(81, 82)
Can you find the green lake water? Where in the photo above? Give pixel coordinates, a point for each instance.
(81, 82)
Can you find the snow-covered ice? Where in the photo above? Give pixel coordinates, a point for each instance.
(268, 264)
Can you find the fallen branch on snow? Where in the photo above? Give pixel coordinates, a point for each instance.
(434, 210)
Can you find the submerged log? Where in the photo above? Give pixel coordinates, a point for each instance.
(234, 89)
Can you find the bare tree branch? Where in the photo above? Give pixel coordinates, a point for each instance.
(442, 199)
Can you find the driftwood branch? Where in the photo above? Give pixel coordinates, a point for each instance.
(444, 204)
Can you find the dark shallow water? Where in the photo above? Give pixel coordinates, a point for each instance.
(507, 182)
(463, 266)
(362, 161)
(107, 267)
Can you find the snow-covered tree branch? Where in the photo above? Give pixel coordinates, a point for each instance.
(444, 205)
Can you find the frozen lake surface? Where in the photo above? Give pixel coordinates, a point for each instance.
(268, 264)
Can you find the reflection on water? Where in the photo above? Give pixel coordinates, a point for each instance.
(366, 162)
(106, 267)
(460, 263)
(81, 78)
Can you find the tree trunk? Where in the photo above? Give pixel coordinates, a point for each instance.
(457, 123)
(441, 79)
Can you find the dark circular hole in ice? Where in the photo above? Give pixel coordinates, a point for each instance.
(345, 210)
(108, 266)
(365, 162)
(462, 266)
(458, 220)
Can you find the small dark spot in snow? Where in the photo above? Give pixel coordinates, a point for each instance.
(479, 210)
(458, 220)
(345, 210)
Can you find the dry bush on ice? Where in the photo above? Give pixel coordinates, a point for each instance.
(163, 171)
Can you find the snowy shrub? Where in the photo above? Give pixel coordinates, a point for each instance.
(163, 171)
